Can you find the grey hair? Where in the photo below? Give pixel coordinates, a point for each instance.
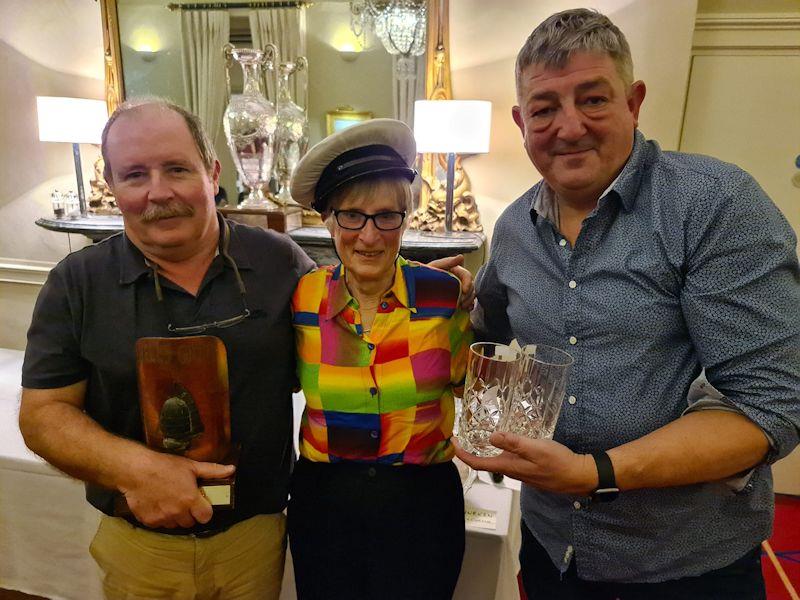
(371, 187)
(201, 139)
(576, 30)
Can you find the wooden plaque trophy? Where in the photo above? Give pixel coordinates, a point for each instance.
(184, 401)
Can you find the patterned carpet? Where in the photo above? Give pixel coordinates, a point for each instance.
(785, 542)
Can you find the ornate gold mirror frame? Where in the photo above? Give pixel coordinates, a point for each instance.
(115, 84)
(430, 215)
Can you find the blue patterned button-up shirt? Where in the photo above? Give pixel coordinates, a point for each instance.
(685, 264)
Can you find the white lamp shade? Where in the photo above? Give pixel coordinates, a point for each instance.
(74, 120)
(458, 126)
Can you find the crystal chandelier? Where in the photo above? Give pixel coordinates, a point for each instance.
(399, 24)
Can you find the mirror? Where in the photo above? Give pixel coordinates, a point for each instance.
(345, 73)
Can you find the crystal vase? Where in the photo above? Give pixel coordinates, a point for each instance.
(291, 135)
(250, 122)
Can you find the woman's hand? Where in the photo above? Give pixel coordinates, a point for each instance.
(454, 264)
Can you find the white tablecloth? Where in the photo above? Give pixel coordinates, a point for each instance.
(46, 525)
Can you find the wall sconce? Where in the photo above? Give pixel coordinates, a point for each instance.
(348, 45)
(146, 42)
(348, 55)
(147, 55)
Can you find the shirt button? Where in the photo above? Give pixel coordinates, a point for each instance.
(572, 400)
(576, 505)
(573, 284)
(384, 305)
(562, 243)
(373, 390)
(573, 340)
(371, 471)
(371, 346)
(373, 435)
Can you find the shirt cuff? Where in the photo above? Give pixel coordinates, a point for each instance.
(704, 396)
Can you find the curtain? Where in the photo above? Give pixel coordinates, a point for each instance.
(408, 85)
(203, 34)
(286, 28)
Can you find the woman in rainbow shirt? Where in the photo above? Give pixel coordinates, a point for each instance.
(376, 508)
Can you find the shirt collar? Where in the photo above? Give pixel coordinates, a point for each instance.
(626, 185)
(339, 296)
(133, 263)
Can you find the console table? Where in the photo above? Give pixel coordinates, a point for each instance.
(316, 241)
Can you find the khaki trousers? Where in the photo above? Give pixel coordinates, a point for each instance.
(242, 563)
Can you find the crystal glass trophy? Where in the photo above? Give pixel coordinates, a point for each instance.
(491, 375)
(250, 121)
(291, 136)
(538, 392)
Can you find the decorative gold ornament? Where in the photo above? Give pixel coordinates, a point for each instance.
(465, 210)
(101, 201)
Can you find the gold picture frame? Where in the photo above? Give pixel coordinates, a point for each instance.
(343, 117)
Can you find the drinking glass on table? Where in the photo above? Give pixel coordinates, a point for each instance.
(538, 392)
(491, 373)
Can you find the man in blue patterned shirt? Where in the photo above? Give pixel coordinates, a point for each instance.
(648, 267)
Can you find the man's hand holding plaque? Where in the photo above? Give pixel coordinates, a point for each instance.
(183, 397)
(163, 490)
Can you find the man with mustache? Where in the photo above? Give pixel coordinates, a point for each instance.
(156, 213)
(647, 266)
(178, 268)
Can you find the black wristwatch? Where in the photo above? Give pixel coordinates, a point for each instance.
(607, 489)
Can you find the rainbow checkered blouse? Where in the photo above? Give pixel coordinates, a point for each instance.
(385, 396)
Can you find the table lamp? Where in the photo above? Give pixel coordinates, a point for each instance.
(452, 127)
(72, 120)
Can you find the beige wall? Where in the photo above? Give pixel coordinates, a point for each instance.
(46, 49)
(747, 6)
(485, 38)
(20, 281)
(51, 48)
(364, 84)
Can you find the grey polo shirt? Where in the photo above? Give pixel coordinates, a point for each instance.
(98, 301)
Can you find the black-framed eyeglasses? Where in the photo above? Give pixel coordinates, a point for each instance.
(355, 219)
(221, 324)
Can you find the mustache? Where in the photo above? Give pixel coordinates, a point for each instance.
(156, 212)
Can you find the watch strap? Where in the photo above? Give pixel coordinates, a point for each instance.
(607, 489)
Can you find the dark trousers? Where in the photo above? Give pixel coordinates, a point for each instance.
(365, 531)
(741, 580)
